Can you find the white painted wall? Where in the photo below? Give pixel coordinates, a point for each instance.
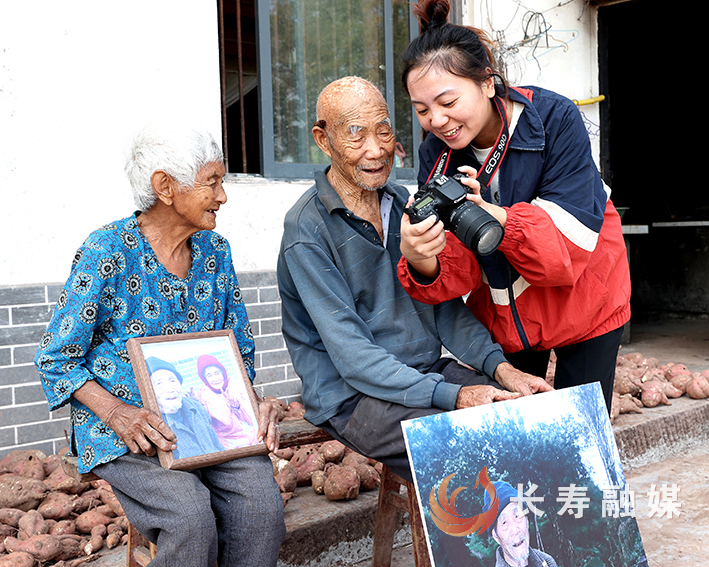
(565, 59)
(78, 76)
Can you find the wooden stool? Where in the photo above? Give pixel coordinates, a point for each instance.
(391, 500)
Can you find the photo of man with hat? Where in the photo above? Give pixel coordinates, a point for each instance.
(511, 531)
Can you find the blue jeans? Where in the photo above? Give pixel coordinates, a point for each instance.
(231, 513)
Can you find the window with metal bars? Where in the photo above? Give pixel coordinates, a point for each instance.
(276, 57)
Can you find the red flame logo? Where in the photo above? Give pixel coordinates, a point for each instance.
(448, 520)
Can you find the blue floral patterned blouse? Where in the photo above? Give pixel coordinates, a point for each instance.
(117, 290)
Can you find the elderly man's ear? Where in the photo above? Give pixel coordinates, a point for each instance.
(163, 185)
(322, 140)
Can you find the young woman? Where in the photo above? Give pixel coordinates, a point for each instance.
(559, 279)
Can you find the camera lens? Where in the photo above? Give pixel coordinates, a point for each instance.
(476, 228)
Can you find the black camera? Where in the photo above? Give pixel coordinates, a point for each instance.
(445, 197)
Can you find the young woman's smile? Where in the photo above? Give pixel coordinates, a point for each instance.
(455, 109)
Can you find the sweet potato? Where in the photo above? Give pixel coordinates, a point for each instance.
(369, 478)
(342, 484)
(332, 451)
(285, 453)
(625, 382)
(318, 481)
(305, 470)
(113, 540)
(31, 524)
(680, 381)
(287, 478)
(11, 516)
(629, 404)
(615, 406)
(42, 547)
(24, 463)
(295, 410)
(20, 492)
(63, 527)
(111, 500)
(17, 559)
(301, 455)
(676, 370)
(698, 387)
(88, 520)
(51, 463)
(96, 541)
(653, 394)
(62, 482)
(71, 548)
(57, 505)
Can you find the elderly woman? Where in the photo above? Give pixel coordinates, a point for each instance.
(160, 271)
(232, 424)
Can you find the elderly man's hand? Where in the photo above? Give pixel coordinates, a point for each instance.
(469, 396)
(515, 380)
(268, 428)
(140, 429)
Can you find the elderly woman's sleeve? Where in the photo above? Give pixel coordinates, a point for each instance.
(60, 359)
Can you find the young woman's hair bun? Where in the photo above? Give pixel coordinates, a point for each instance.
(432, 13)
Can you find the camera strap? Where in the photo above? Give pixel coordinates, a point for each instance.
(492, 163)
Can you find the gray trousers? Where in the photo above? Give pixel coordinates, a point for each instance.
(231, 513)
(372, 427)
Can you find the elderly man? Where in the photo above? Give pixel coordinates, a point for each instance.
(187, 418)
(369, 356)
(511, 532)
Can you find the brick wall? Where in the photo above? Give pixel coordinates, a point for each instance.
(26, 422)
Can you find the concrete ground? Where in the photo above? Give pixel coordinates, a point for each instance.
(663, 446)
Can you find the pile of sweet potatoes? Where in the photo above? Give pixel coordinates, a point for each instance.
(642, 382)
(48, 517)
(330, 468)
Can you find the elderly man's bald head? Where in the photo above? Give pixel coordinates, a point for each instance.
(355, 131)
(343, 93)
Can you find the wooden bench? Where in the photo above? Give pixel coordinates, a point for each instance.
(301, 432)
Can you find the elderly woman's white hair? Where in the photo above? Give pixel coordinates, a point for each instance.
(179, 151)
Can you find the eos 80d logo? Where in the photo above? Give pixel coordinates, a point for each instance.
(447, 518)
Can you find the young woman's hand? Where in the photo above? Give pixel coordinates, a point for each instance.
(422, 242)
(474, 185)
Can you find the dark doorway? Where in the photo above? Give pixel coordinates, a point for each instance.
(646, 154)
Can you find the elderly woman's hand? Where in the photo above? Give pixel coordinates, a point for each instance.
(139, 428)
(268, 429)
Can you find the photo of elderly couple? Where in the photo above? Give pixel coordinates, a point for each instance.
(202, 399)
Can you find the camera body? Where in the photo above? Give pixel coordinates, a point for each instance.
(444, 197)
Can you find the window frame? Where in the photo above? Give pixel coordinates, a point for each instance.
(282, 170)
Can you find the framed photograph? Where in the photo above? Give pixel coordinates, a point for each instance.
(531, 481)
(198, 383)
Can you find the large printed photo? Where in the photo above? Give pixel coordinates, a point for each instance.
(535, 481)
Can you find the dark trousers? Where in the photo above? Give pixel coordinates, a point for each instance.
(372, 427)
(589, 361)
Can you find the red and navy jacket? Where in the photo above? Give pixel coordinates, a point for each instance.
(560, 275)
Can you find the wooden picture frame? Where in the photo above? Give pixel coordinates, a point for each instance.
(184, 391)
